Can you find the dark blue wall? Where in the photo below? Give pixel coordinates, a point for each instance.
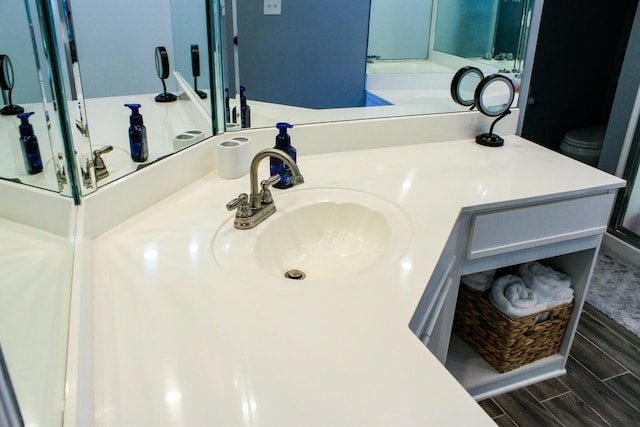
(579, 55)
(313, 55)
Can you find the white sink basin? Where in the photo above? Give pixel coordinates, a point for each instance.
(323, 233)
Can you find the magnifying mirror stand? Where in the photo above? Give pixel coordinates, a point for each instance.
(200, 93)
(6, 84)
(165, 96)
(490, 139)
(162, 68)
(11, 109)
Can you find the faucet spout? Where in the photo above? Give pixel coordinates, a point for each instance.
(296, 176)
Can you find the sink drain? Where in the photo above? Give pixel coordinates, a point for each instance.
(295, 274)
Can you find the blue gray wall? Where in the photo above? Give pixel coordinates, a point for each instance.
(313, 55)
(15, 41)
(116, 41)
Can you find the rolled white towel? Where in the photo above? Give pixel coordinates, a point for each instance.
(510, 295)
(481, 281)
(551, 286)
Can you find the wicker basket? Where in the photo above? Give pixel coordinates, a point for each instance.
(505, 343)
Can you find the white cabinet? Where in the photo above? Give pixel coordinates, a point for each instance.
(564, 233)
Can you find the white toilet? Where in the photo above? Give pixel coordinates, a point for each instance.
(584, 144)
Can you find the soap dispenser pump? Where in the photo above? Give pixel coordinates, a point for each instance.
(29, 145)
(137, 135)
(277, 166)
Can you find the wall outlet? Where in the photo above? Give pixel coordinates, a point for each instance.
(273, 7)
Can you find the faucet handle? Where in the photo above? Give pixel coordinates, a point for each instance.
(273, 179)
(242, 204)
(265, 194)
(104, 150)
(100, 166)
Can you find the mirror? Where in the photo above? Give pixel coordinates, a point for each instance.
(364, 59)
(169, 29)
(464, 84)
(35, 294)
(162, 68)
(6, 84)
(26, 83)
(493, 97)
(35, 263)
(10, 414)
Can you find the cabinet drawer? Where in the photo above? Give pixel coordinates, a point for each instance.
(498, 232)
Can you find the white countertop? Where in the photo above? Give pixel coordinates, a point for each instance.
(181, 340)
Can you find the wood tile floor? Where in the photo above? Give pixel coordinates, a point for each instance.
(601, 387)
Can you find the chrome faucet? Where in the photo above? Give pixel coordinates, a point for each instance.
(252, 210)
(100, 167)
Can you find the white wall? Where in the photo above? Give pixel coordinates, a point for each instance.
(399, 29)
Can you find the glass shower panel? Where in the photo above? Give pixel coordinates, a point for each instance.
(625, 220)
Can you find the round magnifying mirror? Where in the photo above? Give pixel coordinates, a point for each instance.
(494, 95)
(6, 84)
(162, 62)
(6, 73)
(162, 67)
(463, 85)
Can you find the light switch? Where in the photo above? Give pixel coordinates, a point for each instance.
(272, 7)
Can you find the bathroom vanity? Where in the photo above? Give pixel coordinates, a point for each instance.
(193, 323)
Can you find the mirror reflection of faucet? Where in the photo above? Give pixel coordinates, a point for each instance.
(88, 176)
(61, 173)
(81, 123)
(99, 165)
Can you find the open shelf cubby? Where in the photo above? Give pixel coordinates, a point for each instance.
(478, 377)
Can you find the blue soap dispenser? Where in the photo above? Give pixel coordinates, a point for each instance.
(245, 110)
(137, 135)
(29, 145)
(277, 166)
(227, 111)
